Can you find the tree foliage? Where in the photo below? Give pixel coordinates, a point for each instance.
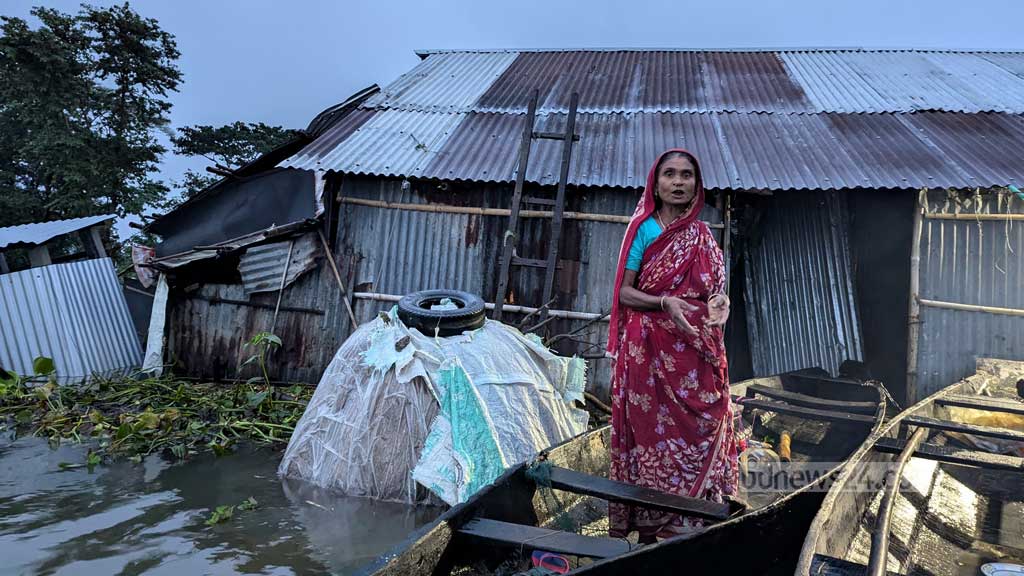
(81, 100)
(229, 146)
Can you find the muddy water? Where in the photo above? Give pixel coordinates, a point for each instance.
(149, 518)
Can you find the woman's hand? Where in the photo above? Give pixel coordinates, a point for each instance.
(677, 309)
(718, 310)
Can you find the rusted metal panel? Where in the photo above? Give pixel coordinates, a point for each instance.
(207, 329)
(976, 262)
(985, 147)
(800, 299)
(751, 151)
(853, 81)
(74, 313)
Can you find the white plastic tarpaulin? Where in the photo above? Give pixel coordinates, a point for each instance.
(397, 412)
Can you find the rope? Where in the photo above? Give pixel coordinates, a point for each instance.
(540, 473)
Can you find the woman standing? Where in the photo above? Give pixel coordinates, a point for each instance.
(671, 414)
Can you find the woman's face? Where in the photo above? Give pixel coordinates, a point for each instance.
(677, 181)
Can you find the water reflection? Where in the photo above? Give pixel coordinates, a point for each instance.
(149, 518)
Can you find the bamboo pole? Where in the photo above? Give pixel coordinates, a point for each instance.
(280, 289)
(727, 242)
(503, 212)
(970, 307)
(973, 217)
(567, 314)
(914, 313)
(337, 277)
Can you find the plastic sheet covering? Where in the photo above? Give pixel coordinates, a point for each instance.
(487, 399)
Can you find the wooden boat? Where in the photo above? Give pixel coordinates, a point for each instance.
(935, 493)
(558, 503)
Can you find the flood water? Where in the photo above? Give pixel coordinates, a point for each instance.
(149, 518)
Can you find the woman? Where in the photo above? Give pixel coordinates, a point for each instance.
(671, 413)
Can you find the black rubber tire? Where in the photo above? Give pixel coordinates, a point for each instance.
(414, 311)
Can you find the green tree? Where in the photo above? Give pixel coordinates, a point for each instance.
(229, 146)
(81, 100)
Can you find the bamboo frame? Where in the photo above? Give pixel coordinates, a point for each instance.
(727, 241)
(974, 217)
(502, 212)
(337, 277)
(566, 314)
(970, 307)
(914, 314)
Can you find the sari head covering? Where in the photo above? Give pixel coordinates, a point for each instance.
(644, 208)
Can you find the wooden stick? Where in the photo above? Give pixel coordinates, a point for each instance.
(727, 242)
(597, 402)
(280, 289)
(558, 337)
(914, 314)
(973, 217)
(970, 307)
(337, 276)
(446, 209)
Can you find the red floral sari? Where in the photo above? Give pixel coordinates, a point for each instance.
(672, 427)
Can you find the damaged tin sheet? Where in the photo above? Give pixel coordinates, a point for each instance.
(262, 266)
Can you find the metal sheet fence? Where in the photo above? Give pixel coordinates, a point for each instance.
(977, 260)
(74, 313)
(800, 299)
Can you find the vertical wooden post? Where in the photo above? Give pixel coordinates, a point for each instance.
(4, 269)
(90, 238)
(280, 289)
(727, 239)
(39, 256)
(914, 315)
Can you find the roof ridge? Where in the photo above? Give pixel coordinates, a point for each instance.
(423, 53)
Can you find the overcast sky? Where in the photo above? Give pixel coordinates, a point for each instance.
(283, 62)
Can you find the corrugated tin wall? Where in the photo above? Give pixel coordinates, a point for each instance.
(206, 335)
(74, 313)
(399, 251)
(800, 299)
(969, 262)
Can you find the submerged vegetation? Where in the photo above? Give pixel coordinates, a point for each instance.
(132, 418)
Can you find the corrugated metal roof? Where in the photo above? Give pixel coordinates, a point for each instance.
(74, 313)
(701, 81)
(737, 151)
(395, 143)
(444, 83)
(40, 232)
(635, 103)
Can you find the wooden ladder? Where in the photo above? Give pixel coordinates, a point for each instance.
(508, 253)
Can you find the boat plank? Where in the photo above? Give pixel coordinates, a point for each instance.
(507, 533)
(806, 413)
(946, 425)
(983, 403)
(614, 491)
(954, 455)
(807, 401)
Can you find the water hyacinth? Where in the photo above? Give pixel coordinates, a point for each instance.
(133, 418)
